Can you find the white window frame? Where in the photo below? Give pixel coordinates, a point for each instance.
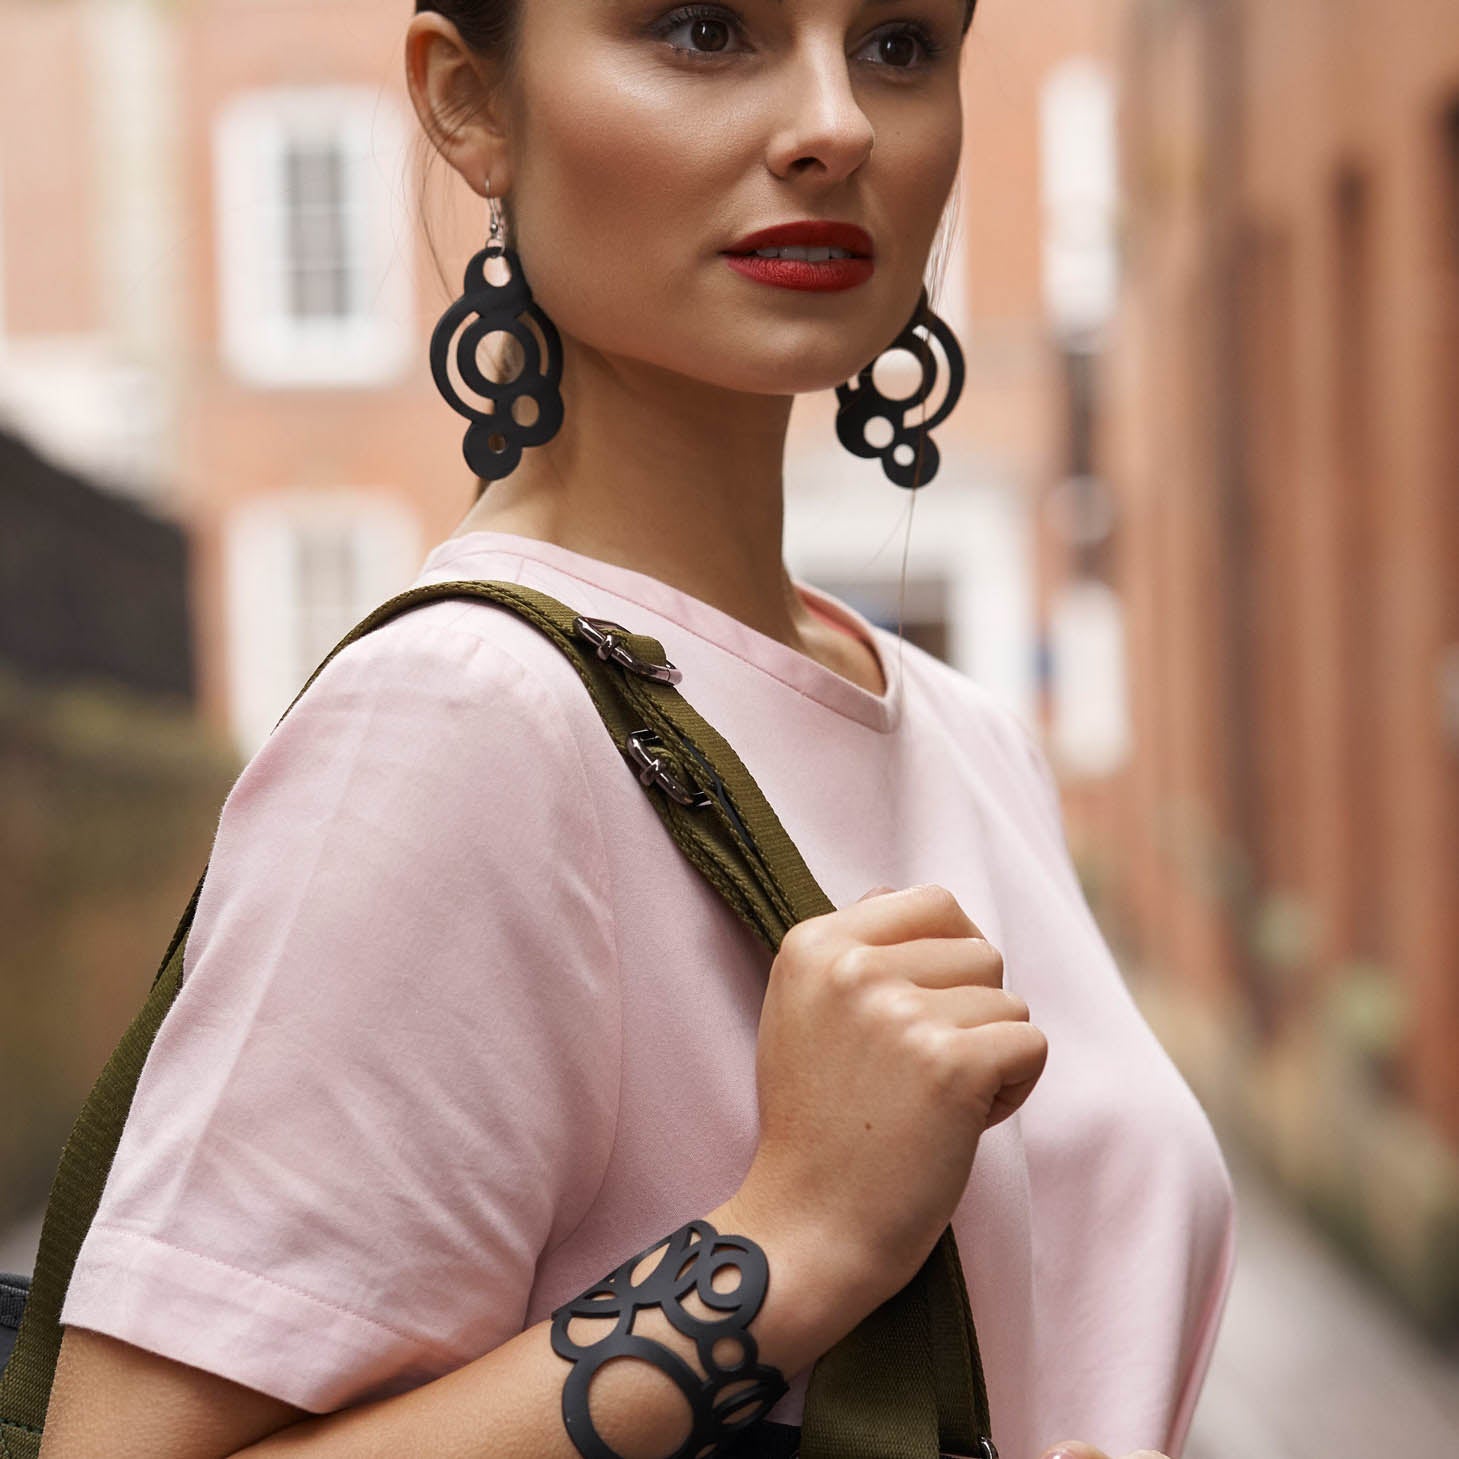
(1092, 732)
(261, 341)
(1079, 191)
(266, 665)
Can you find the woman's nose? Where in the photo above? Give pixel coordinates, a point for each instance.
(819, 119)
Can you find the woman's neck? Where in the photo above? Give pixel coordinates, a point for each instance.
(810, 632)
(670, 552)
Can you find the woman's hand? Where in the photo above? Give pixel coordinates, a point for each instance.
(1073, 1449)
(887, 1046)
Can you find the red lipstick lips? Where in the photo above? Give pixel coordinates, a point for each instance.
(796, 273)
(809, 233)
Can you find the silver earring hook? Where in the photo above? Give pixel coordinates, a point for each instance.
(495, 207)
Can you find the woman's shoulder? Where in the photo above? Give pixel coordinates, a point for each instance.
(445, 660)
(460, 641)
(438, 716)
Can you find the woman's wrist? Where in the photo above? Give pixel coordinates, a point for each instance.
(817, 1289)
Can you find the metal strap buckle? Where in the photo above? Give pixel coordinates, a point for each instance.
(651, 768)
(602, 634)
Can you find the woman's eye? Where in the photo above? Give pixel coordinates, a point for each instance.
(702, 25)
(898, 47)
(708, 31)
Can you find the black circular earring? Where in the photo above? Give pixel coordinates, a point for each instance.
(911, 457)
(494, 440)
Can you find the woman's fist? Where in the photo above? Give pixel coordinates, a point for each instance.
(887, 1046)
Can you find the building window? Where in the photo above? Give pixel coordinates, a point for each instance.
(325, 571)
(318, 257)
(302, 569)
(1079, 193)
(314, 242)
(1092, 735)
(1080, 368)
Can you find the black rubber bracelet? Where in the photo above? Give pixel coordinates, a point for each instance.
(692, 1256)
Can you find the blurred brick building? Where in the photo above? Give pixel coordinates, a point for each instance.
(1198, 511)
(1275, 412)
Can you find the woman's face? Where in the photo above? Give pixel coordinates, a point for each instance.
(645, 138)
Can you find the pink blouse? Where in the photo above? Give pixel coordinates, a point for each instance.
(462, 1028)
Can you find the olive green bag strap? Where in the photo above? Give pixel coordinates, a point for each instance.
(907, 1382)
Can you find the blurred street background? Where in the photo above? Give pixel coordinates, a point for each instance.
(1197, 521)
(1312, 1359)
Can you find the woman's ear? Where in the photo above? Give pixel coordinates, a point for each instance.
(456, 97)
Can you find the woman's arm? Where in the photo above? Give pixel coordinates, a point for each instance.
(115, 1399)
(508, 1403)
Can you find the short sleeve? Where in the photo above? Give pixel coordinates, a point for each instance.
(389, 1081)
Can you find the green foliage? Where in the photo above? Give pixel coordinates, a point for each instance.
(1368, 1010)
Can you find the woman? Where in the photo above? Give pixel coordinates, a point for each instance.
(462, 1031)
